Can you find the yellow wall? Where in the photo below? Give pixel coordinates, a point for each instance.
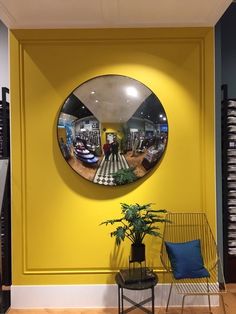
(111, 128)
(56, 213)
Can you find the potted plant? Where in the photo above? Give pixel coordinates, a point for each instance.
(124, 176)
(136, 222)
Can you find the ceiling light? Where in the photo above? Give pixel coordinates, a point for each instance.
(131, 91)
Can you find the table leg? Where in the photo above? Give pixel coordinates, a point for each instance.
(118, 299)
(122, 301)
(153, 300)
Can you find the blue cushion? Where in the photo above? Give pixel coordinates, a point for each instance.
(186, 259)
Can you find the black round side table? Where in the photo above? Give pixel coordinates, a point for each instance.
(138, 285)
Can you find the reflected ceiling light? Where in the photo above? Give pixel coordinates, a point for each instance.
(92, 92)
(96, 100)
(160, 115)
(164, 118)
(131, 91)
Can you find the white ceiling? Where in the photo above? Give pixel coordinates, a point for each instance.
(110, 13)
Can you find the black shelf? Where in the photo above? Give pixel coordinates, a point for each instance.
(5, 217)
(229, 187)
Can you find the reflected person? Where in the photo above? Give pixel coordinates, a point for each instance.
(114, 149)
(107, 150)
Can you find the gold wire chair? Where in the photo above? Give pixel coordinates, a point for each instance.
(186, 227)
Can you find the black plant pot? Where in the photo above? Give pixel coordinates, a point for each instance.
(137, 252)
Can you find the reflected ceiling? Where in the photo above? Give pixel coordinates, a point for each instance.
(112, 98)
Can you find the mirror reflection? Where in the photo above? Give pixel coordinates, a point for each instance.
(112, 130)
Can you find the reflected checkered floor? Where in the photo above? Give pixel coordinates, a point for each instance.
(107, 168)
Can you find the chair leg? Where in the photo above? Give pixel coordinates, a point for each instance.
(182, 309)
(167, 306)
(209, 298)
(209, 303)
(223, 303)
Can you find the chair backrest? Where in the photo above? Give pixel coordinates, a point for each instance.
(186, 227)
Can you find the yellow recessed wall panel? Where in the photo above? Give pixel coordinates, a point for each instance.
(56, 213)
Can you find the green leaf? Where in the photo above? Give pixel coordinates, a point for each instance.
(136, 222)
(124, 176)
(111, 221)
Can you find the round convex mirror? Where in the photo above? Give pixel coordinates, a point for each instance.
(112, 130)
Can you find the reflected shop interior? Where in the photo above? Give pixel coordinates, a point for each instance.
(112, 130)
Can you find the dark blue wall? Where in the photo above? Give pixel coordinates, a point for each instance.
(228, 50)
(225, 73)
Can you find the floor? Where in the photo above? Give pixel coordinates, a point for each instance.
(230, 304)
(92, 173)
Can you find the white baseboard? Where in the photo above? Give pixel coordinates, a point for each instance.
(93, 296)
